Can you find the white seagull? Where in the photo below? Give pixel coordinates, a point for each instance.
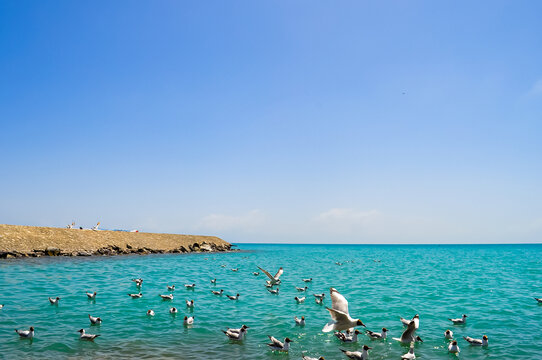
(190, 303)
(54, 301)
(236, 335)
(189, 286)
(188, 320)
(233, 297)
(255, 273)
(320, 296)
(409, 335)
(340, 318)
(299, 299)
(358, 355)
(410, 354)
(319, 301)
(87, 337)
(298, 321)
(302, 288)
(236, 269)
(218, 292)
(167, 297)
(348, 338)
(273, 279)
(150, 312)
(135, 296)
(307, 280)
(91, 295)
(378, 336)
(171, 287)
(305, 357)
(273, 291)
(213, 281)
(448, 334)
(237, 330)
(1, 306)
(416, 320)
(277, 345)
(476, 342)
(138, 282)
(28, 334)
(459, 321)
(539, 300)
(453, 348)
(95, 320)
(173, 310)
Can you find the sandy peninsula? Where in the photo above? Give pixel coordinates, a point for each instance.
(35, 241)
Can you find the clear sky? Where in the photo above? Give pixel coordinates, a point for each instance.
(275, 121)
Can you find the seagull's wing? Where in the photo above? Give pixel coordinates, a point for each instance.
(336, 317)
(267, 273)
(338, 302)
(472, 340)
(279, 273)
(408, 334)
(405, 321)
(275, 341)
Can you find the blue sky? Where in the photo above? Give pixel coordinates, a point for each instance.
(288, 121)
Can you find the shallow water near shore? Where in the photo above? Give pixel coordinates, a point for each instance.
(493, 284)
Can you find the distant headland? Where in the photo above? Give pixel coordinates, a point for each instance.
(35, 241)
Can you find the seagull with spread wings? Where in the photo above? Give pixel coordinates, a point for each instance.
(274, 280)
(340, 318)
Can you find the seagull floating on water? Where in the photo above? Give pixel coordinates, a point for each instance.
(190, 303)
(410, 354)
(91, 295)
(305, 357)
(1, 306)
(236, 269)
(459, 321)
(135, 296)
(255, 273)
(167, 297)
(477, 342)
(319, 301)
(213, 281)
(358, 355)
(453, 348)
(95, 320)
(27, 334)
(237, 330)
(298, 321)
(273, 279)
(138, 282)
(320, 296)
(307, 280)
(54, 301)
(150, 312)
(448, 334)
(377, 336)
(274, 291)
(173, 310)
(539, 300)
(236, 335)
(277, 345)
(188, 320)
(340, 318)
(190, 286)
(299, 299)
(301, 288)
(233, 297)
(87, 337)
(218, 292)
(171, 288)
(348, 338)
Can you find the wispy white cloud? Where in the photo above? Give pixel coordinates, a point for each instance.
(350, 216)
(252, 220)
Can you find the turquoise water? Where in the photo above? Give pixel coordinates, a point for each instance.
(494, 285)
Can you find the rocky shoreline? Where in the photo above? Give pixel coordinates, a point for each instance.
(31, 241)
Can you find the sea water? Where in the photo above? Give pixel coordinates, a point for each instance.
(493, 284)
